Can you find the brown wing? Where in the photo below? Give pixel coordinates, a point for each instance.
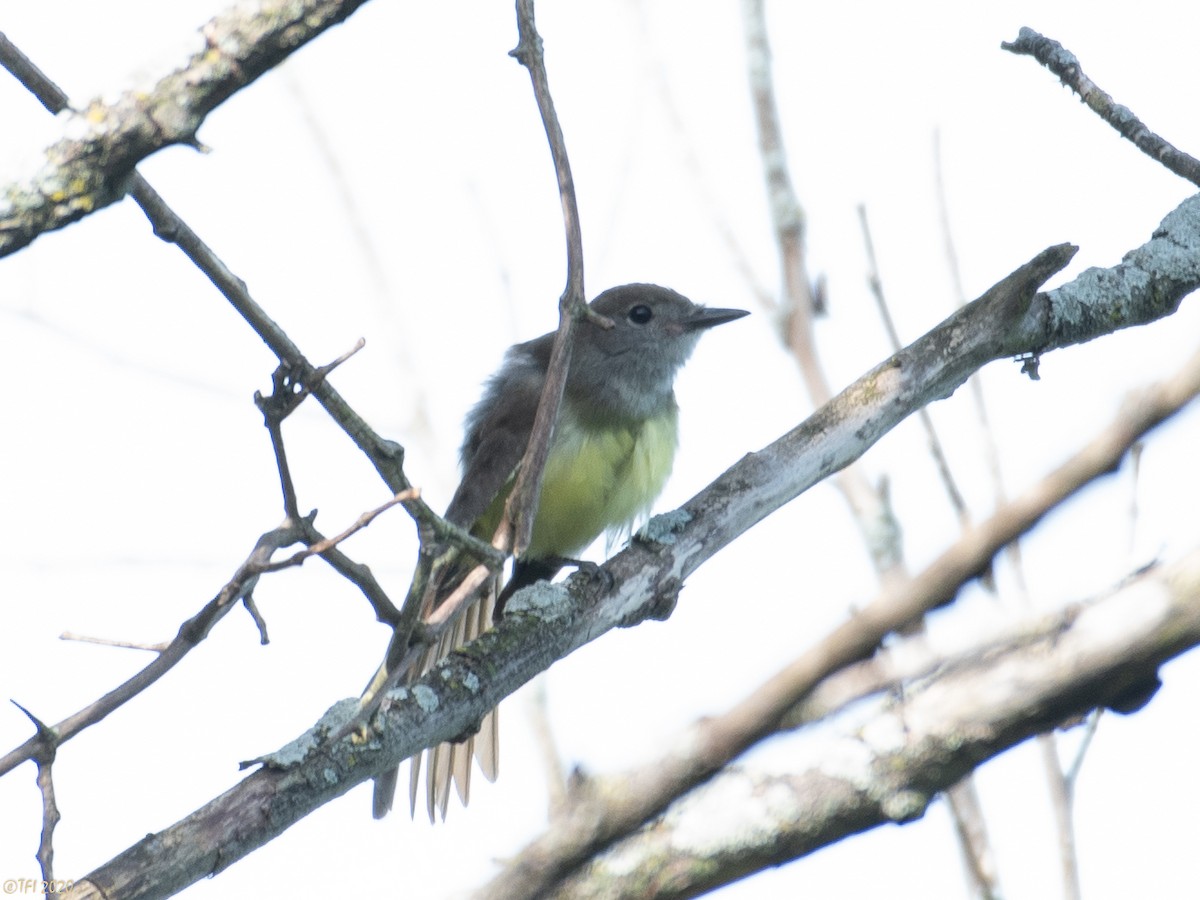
(497, 433)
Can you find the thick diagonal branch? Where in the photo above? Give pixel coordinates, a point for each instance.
(89, 167)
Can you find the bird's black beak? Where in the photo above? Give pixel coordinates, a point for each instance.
(708, 317)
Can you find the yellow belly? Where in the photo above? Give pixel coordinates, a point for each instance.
(600, 479)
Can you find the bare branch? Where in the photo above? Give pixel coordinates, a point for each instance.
(158, 647)
(787, 215)
(1062, 805)
(386, 456)
(88, 168)
(1065, 65)
(891, 759)
(47, 750)
(50, 816)
(975, 383)
(963, 798)
(516, 525)
(522, 502)
(190, 633)
(869, 504)
(324, 545)
(286, 396)
(595, 822)
(936, 449)
(547, 622)
(974, 844)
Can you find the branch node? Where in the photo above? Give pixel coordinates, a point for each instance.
(47, 737)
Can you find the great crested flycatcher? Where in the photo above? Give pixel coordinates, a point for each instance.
(611, 452)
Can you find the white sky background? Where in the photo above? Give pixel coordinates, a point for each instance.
(138, 474)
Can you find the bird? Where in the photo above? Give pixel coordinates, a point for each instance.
(612, 449)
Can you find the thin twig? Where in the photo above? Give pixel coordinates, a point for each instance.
(50, 818)
(356, 573)
(47, 749)
(367, 242)
(516, 525)
(1063, 63)
(1089, 733)
(386, 456)
(870, 505)
(1062, 805)
(522, 503)
(326, 544)
(1055, 784)
(963, 798)
(787, 215)
(973, 840)
(991, 452)
(286, 396)
(936, 449)
(158, 647)
(257, 618)
(190, 633)
(538, 713)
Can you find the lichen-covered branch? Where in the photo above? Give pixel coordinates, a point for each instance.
(887, 762)
(545, 623)
(89, 166)
(1008, 319)
(1063, 63)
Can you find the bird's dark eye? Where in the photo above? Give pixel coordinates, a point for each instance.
(640, 314)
